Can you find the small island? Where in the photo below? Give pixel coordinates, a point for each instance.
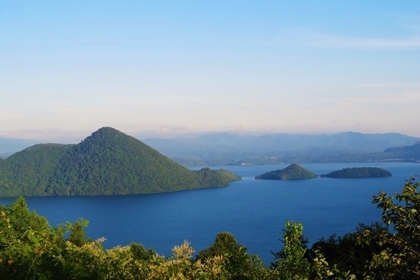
(292, 172)
(359, 172)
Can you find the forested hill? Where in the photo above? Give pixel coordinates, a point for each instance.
(108, 162)
(29, 171)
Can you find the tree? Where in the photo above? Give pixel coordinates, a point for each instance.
(225, 243)
(400, 254)
(238, 263)
(290, 261)
(347, 253)
(27, 243)
(280, 255)
(140, 253)
(293, 261)
(77, 232)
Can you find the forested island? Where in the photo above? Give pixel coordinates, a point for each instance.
(292, 172)
(108, 162)
(359, 172)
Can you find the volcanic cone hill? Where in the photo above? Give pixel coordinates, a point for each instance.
(108, 162)
(292, 172)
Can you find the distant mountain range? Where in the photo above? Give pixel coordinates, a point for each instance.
(231, 149)
(9, 146)
(108, 162)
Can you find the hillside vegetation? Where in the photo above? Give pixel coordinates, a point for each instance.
(108, 162)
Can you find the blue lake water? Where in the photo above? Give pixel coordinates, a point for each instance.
(254, 211)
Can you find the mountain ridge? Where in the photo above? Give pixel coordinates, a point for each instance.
(224, 148)
(233, 149)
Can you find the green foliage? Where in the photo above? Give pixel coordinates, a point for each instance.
(376, 252)
(30, 169)
(292, 172)
(209, 178)
(140, 253)
(400, 254)
(224, 244)
(26, 242)
(280, 255)
(347, 253)
(237, 262)
(293, 264)
(31, 249)
(292, 261)
(106, 163)
(359, 172)
(77, 232)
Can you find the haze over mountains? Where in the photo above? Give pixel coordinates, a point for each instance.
(8, 146)
(224, 148)
(228, 149)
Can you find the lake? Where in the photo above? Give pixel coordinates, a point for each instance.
(254, 211)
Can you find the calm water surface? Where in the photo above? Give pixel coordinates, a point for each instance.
(254, 211)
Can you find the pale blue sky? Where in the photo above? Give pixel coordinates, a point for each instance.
(161, 68)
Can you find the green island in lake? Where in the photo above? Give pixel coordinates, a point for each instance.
(108, 162)
(292, 172)
(358, 172)
(297, 172)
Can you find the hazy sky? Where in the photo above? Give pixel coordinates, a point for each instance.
(162, 68)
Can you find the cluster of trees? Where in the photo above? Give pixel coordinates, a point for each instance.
(108, 162)
(31, 249)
